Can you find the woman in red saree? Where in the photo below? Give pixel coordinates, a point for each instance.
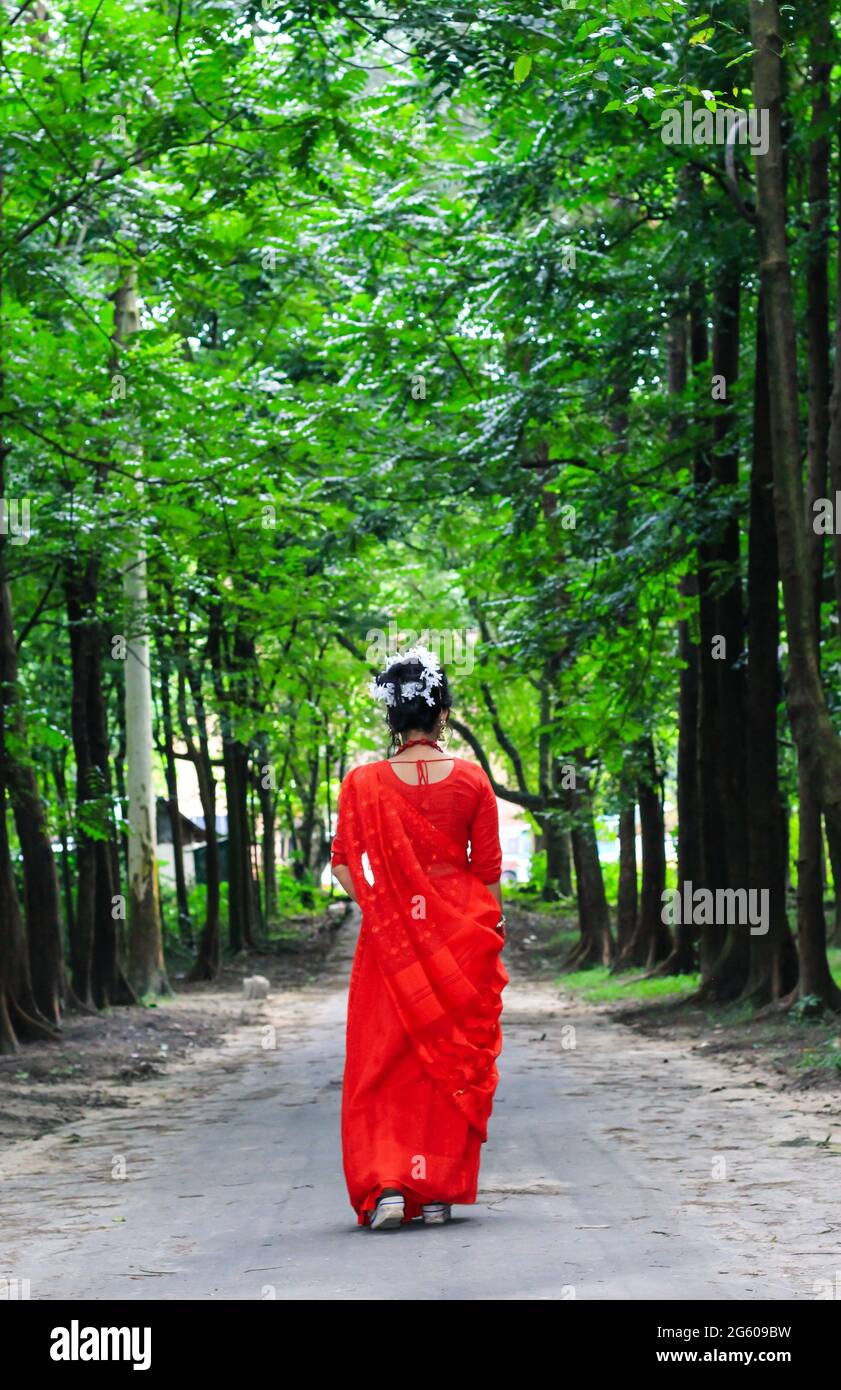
(423, 1030)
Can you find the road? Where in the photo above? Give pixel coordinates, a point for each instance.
(618, 1167)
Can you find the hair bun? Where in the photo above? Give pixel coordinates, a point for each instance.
(414, 689)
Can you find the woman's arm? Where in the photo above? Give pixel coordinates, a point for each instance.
(496, 889)
(342, 873)
(338, 857)
(485, 849)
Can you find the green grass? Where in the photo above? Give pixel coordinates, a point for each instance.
(564, 936)
(527, 896)
(598, 986)
(825, 1057)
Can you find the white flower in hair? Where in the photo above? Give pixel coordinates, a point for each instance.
(382, 692)
(426, 659)
(431, 676)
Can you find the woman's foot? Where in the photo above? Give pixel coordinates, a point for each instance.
(435, 1213)
(389, 1212)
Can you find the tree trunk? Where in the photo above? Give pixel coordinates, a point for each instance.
(689, 868)
(682, 958)
(82, 926)
(40, 879)
(595, 946)
(96, 974)
(653, 930)
(240, 883)
(20, 1016)
(241, 914)
(146, 968)
(810, 868)
(729, 612)
(266, 798)
(308, 791)
(724, 976)
(120, 783)
(817, 301)
(834, 441)
(556, 840)
(772, 966)
(817, 273)
(206, 964)
(57, 763)
(11, 927)
(558, 882)
(818, 744)
(626, 898)
(249, 857)
(811, 918)
(713, 851)
(109, 983)
(651, 942)
(834, 843)
(253, 856)
(185, 926)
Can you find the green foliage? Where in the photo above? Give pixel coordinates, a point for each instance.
(402, 362)
(826, 1057)
(296, 898)
(808, 1009)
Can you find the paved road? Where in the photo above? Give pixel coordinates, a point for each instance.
(602, 1179)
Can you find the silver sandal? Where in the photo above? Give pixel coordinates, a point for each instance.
(436, 1213)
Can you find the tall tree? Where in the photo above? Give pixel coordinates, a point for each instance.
(146, 967)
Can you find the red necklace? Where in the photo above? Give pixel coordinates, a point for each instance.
(416, 742)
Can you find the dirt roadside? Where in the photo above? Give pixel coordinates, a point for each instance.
(773, 1048)
(130, 1057)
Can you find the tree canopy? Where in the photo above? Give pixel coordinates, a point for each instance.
(505, 324)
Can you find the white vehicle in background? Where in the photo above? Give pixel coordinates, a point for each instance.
(516, 838)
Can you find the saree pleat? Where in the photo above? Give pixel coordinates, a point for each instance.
(424, 1005)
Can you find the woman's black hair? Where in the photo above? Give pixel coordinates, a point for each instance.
(412, 711)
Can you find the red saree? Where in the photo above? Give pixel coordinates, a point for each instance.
(423, 1030)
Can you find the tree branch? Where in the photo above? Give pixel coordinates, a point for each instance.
(528, 800)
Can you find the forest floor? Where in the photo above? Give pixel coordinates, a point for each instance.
(193, 1152)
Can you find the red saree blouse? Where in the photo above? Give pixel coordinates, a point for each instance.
(423, 1030)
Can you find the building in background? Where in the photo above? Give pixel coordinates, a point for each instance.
(192, 836)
